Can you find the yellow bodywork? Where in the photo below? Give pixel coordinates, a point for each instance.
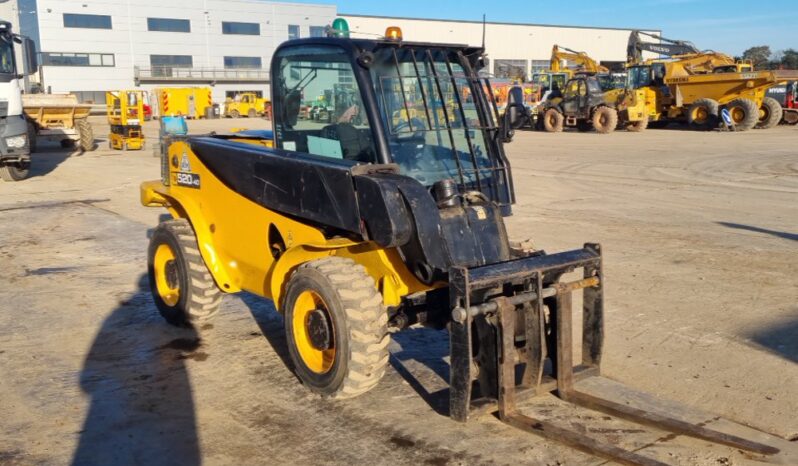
(233, 237)
(247, 104)
(125, 112)
(190, 102)
(583, 62)
(632, 104)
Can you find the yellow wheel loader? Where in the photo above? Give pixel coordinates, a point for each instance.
(357, 228)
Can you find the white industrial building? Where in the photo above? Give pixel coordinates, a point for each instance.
(527, 46)
(90, 46)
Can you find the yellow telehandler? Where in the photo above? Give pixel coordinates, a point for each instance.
(359, 227)
(584, 103)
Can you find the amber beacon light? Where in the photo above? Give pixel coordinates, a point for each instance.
(393, 33)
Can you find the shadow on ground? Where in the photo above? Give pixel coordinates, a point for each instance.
(425, 346)
(778, 234)
(779, 337)
(142, 410)
(47, 158)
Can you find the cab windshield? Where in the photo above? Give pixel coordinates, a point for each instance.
(6, 55)
(639, 76)
(436, 127)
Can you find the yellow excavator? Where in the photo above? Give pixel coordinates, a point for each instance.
(357, 228)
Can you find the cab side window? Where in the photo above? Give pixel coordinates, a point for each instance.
(572, 88)
(318, 107)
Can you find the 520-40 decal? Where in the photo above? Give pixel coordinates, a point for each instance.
(189, 180)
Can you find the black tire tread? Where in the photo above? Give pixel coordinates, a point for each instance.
(557, 125)
(612, 116)
(775, 113)
(9, 172)
(751, 113)
(638, 126)
(86, 134)
(204, 296)
(366, 320)
(713, 112)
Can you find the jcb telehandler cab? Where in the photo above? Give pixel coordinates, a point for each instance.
(355, 230)
(582, 105)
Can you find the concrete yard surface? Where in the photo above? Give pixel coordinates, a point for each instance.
(700, 239)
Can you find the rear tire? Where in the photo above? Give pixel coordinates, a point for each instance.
(336, 327)
(605, 120)
(744, 113)
(703, 114)
(181, 285)
(86, 134)
(14, 171)
(638, 126)
(553, 121)
(770, 114)
(252, 113)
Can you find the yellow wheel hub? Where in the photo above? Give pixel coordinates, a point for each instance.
(313, 332)
(738, 115)
(700, 115)
(166, 275)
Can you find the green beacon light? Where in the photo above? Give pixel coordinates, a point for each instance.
(340, 28)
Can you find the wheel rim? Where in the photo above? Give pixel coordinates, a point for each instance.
(700, 115)
(737, 114)
(764, 114)
(603, 120)
(166, 275)
(309, 308)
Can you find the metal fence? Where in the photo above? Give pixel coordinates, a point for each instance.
(173, 73)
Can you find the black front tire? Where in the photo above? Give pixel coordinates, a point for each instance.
(771, 113)
(605, 120)
(14, 171)
(198, 297)
(745, 113)
(703, 114)
(357, 327)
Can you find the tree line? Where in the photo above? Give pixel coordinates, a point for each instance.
(765, 59)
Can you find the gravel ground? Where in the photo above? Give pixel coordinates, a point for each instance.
(700, 236)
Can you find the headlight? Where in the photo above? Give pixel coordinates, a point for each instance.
(17, 142)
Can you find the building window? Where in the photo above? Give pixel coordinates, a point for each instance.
(248, 29)
(317, 31)
(293, 31)
(90, 97)
(168, 25)
(510, 69)
(242, 62)
(540, 65)
(162, 64)
(73, 20)
(77, 59)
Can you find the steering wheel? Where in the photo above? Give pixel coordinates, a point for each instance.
(413, 134)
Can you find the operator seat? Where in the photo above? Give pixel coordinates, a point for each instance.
(355, 144)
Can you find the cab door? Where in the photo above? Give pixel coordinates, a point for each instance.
(571, 98)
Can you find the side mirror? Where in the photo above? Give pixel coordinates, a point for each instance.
(290, 108)
(515, 105)
(31, 60)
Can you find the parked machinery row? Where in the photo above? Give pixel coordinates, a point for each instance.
(703, 89)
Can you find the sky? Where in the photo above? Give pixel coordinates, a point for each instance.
(729, 26)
